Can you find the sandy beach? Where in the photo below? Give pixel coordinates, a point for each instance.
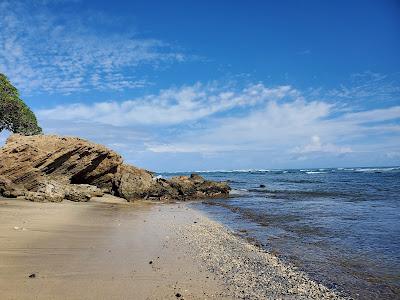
(108, 249)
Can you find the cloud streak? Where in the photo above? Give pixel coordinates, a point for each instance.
(48, 54)
(171, 106)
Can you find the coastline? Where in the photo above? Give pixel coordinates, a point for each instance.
(142, 250)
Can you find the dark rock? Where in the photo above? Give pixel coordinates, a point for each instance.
(262, 186)
(178, 295)
(33, 275)
(196, 187)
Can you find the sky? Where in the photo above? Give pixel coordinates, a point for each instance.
(213, 85)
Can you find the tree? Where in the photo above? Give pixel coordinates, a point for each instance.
(15, 115)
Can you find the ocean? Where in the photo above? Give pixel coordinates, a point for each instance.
(341, 226)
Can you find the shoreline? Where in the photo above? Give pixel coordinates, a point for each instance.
(248, 271)
(105, 249)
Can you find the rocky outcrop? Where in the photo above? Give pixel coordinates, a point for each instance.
(30, 160)
(195, 186)
(53, 168)
(133, 183)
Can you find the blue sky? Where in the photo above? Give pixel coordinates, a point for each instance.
(174, 85)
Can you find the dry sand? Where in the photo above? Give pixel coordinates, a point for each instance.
(108, 249)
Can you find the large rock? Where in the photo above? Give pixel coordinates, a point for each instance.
(29, 160)
(53, 168)
(195, 186)
(132, 183)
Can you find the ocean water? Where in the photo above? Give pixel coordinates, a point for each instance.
(340, 226)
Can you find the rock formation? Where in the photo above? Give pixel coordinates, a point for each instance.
(53, 168)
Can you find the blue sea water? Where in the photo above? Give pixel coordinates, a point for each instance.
(340, 226)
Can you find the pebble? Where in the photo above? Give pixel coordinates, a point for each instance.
(253, 273)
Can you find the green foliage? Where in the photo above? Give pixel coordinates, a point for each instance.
(15, 116)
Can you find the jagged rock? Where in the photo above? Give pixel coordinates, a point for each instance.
(53, 168)
(29, 160)
(8, 189)
(195, 186)
(134, 183)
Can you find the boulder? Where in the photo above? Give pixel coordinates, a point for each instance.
(132, 183)
(47, 191)
(82, 192)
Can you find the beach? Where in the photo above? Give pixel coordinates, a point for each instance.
(110, 249)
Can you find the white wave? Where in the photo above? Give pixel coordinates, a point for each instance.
(213, 171)
(315, 172)
(236, 171)
(229, 171)
(238, 192)
(368, 170)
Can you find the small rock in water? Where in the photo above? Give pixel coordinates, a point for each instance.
(33, 275)
(262, 185)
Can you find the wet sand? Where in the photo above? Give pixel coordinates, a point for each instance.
(97, 251)
(108, 249)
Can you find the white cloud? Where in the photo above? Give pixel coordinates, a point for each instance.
(171, 106)
(284, 123)
(373, 115)
(250, 125)
(42, 53)
(277, 124)
(316, 146)
(368, 86)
